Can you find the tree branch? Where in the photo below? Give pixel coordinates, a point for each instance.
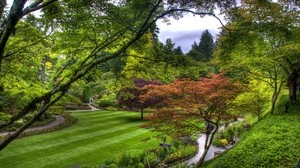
(37, 5)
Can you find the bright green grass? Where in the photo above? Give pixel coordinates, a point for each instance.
(272, 142)
(96, 137)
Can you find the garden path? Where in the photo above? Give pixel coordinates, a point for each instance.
(58, 120)
(212, 149)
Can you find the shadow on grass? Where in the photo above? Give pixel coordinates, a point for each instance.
(135, 117)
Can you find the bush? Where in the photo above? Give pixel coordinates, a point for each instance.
(68, 98)
(4, 116)
(106, 103)
(152, 158)
(107, 100)
(56, 110)
(72, 106)
(86, 93)
(224, 142)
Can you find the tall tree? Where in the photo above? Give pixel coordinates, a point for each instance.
(206, 46)
(258, 31)
(204, 50)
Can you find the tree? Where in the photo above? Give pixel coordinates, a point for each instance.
(206, 46)
(84, 35)
(129, 97)
(253, 100)
(178, 51)
(204, 100)
(204, 50)
(250, 50)
(16, 13)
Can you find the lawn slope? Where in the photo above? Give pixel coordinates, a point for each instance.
(96, 137)
(273, 142)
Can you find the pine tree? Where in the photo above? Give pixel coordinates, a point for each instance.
(206, 46)
(204, 50)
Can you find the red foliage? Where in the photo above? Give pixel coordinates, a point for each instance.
(129, 97)
(207, 98)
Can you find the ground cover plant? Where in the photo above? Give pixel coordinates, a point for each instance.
(272, 142)
(96, 137)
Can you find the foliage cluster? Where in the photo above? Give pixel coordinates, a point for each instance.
(226, 136)
(106, 100)
(151, 158)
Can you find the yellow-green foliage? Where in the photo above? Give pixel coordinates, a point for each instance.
(224, 141)
(254, 99)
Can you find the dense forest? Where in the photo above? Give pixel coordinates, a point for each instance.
(65, 55)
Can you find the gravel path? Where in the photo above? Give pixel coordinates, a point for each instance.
(58, 120)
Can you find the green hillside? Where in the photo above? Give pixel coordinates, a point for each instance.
(273, 142)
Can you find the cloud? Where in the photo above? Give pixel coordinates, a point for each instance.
(185, 31)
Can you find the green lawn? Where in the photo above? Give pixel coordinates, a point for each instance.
(96, 137)
(273, 142)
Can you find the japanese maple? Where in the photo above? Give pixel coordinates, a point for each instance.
(205, 99)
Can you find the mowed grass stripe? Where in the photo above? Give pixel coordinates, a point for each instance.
(83, 126)
(102, 115)
(100, 155)
(59, 155)
(92, 113)
(68, 141)
(27, 151)
(95, 119)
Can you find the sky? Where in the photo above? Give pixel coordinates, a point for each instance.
(185, 31)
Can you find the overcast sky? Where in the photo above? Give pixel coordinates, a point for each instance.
(188, 29)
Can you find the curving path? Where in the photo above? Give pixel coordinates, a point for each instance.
(58, 121)
(210, 153)
(93, 108)
(212, 149)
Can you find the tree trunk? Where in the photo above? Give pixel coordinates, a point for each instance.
(274, 99)
(2, 6)
(292, 85)
(208, 142)
(142, 113)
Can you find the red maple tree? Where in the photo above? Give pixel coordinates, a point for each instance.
(205, 100)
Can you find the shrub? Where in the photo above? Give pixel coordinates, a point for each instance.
(106, 103)
(86, 93)
(4, 116)
(107, 100)
(152, 158)
(73, 106)
(56, 110)
(224, 142)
